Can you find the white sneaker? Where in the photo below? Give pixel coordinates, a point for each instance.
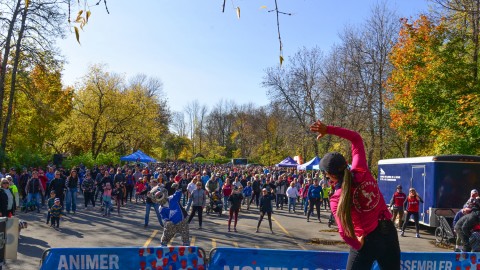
(402, 234)
(417, 235)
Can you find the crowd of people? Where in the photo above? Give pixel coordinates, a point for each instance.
(364, 220)
(223, 189)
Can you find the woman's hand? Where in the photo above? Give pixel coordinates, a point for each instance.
(320, 128)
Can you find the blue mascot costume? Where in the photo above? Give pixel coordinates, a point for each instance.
(172, 213)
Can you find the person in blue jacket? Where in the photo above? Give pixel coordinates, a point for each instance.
(247, 194)
(173, 215)
(315, 195)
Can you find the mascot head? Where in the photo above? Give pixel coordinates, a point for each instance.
(159, 195)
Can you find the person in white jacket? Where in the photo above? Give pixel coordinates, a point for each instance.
(292, 194)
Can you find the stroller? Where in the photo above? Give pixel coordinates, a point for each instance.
(28, 206)
(444, 233)
(215, 205)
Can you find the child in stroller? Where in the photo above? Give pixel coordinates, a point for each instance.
(215, 205)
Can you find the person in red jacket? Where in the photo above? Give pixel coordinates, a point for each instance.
(412, 206)
(362, 216)
(397, 201)
(43, 181)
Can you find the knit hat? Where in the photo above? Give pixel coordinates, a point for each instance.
(473, 191)
(57, 199)
(333, 163)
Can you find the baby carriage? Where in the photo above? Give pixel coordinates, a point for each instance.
(215, 205)
(444, 233)
(29, 206)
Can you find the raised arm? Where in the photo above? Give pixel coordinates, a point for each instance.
(359, 159)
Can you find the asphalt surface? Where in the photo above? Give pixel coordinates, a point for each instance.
(88, 228)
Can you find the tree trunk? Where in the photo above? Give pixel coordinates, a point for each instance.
(6, 54)
(18, 48)
(407, 148)
(94, 138)
(475, 30)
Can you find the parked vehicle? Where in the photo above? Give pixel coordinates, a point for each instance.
(444, 182)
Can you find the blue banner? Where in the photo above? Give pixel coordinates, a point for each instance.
(251, 259)
(268, 259)
(143, 258)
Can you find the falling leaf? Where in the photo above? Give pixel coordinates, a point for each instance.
(263, 7)
(26, 3)
(238, 12)
(77, 34)
(88, 14)
(80, 13)
(281, 60)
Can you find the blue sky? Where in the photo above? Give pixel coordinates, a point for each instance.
(200, 53)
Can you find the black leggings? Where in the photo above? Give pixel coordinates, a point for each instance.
(256, 197)
(55, 221)
(233, 212)
(89, 197)
(199, 210)
(381, 245)
(314, 202)
(415, 218)
(129, 195)
(269, 215)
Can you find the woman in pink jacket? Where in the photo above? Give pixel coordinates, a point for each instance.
(361, 213)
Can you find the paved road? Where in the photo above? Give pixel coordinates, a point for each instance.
(87, 228)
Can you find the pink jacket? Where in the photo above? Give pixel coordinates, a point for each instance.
(368, 203)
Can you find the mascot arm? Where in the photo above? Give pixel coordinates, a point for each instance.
(177, 196)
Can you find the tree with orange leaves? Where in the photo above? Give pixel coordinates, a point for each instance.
(431, 91)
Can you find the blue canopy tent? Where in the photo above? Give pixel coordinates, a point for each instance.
(310, 164)
(287, 162)
(138, 156)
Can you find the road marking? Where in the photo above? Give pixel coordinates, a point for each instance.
(235, 244)
(151, 238)
(287, 233)
(302, 247)
(192, 243)
(282, 228)
(214, 243)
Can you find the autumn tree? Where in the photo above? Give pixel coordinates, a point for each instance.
(109, 115)
(464, 16)
(433, 90)
(29, 29)
(40, 105)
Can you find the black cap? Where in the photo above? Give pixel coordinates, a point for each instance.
(399, 187)
(333, 163)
